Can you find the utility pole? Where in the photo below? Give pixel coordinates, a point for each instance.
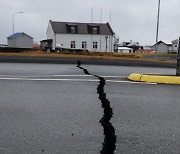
(100, 31)
(13, 19)
(13, 15)
(178, 60)
(157, 30)
(106, 37)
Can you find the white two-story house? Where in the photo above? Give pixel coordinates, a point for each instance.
(84, 36)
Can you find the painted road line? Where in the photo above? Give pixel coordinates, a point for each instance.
(46, 75)
(117, 81)
(62, 76)
(114, 76)
(41, 79)
(78, 80)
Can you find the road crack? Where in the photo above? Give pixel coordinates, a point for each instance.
(109, 143)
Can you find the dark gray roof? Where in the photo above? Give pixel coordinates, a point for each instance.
(60, 27)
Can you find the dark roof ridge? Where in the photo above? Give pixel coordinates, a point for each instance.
(71, 22)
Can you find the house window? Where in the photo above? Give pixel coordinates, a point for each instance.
(73, 29)
(73, 44)
(94, 45)
(93, 29)
(84, 45)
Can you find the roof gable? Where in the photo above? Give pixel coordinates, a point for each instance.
(168, 44)
(82, 28)
(175, 41)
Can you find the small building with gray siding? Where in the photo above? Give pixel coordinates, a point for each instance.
(20, 40)
(162, 47)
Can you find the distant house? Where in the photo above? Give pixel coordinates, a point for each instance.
(175, 45)
(125, 50)
(83, 36)
(20, 40)
(163, 47)
(130, 44)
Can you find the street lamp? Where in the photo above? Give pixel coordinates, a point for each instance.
(157, 31)
(13, 19)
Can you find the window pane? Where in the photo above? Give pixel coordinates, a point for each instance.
(84, 45)
(73, 29)
(94, 45)
(73, 44)
(95, 30)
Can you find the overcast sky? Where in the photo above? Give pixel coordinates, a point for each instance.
(130, 19)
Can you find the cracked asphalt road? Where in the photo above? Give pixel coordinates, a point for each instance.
(51, 108)
(109, 143)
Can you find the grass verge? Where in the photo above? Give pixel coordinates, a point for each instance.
(95, 55)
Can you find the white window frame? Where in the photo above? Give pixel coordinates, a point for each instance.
(95, 45)
(84, 45)
(73, 44)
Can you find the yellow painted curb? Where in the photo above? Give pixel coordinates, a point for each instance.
(135, 77)
(154, 78)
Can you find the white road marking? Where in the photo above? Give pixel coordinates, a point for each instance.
(39, 79)
(117, 81)
(62, 76)
(46, 76)
(79, 80)
(114, 76)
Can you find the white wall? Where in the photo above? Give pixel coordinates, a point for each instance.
(50, 34)
(65, 40)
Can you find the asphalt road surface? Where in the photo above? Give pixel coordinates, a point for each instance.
(90, 109)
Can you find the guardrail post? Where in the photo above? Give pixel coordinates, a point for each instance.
(178, 60)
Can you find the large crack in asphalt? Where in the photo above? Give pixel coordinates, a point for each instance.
(109, 143)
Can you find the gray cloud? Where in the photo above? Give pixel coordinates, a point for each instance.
(130, 20)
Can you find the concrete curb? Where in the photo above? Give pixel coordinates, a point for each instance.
(152, 78)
